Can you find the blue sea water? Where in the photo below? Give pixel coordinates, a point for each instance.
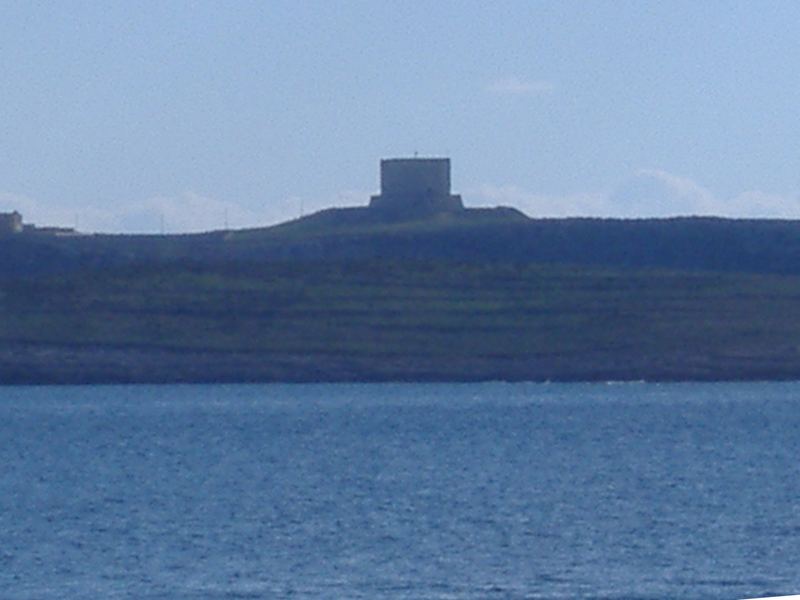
(488, 491)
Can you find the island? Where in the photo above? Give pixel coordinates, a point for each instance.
(412, 287)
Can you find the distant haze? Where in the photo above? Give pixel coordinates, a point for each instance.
(195, 115)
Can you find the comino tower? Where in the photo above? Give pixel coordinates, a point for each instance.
(415, 187)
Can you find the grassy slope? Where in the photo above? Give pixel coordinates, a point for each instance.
(428, 320)
(701, 244)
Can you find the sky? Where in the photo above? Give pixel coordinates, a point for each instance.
(121, 116)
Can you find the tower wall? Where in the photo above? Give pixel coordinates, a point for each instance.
(10, 223)
(415, 177)
(415, 187)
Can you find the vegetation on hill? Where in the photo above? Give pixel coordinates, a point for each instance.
(396, 320)
(346, 295)
(498, 235)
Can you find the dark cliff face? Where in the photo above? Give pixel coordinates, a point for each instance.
(473, 235)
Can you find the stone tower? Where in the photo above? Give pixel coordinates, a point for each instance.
(415, 187)
(10, 223)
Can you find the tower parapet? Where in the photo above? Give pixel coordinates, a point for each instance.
(414, 187)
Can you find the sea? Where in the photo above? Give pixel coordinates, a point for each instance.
(401, 491)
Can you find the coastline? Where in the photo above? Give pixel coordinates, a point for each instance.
(37, 364)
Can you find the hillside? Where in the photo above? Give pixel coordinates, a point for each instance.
(348, 295)
(497, 235)
(396, 321)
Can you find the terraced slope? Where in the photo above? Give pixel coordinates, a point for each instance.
(380, 321)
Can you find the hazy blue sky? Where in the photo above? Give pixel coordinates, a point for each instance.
(119, 113)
